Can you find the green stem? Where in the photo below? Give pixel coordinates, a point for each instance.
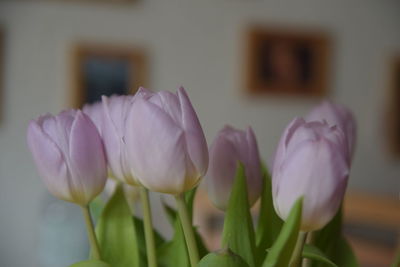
(296, 259)
(187, 230)
(148, 228)
(91, 234)
(310, 241)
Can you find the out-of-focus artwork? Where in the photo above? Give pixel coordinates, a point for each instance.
(394, 109)
(106, 70)
(287, 62)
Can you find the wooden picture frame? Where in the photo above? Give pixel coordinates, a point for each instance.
(106, 69)
(287, 62)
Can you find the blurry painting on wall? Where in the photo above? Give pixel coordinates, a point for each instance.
(287, 62)
(106, 70)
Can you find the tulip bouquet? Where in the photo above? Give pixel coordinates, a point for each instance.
(154, 142)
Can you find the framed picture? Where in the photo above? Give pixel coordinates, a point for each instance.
(393, 116)
(287, 62)
(106, 70)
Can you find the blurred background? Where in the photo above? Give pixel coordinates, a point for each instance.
(243, 62)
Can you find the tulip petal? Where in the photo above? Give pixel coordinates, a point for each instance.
(194, 135)
(156, 148)
(169, 103)
(280, 152)
(230, 147)
(253, 167)
(58, 128)
(49, 161)
(314, 130)
(144, 93)
(112, 139)
(312, 171)
(95, 113)
(223, 163)
(338, 115)
(86, 158)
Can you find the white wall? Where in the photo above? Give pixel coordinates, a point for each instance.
(200, 45)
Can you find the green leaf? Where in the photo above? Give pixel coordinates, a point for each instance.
(314, 253)
(344, 255)
(200, 243)
(141, 239)
(158, 238)
(91, 263)
(223, 258)
(174, 253)
(269, 224)
(117, 234)
(238, 233)
(331, 242)
(282, 250)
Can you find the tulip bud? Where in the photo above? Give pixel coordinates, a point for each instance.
(338, 115)
(230, 147)
(68, 153)
(311, 161)
(115, 113)
(166, 146)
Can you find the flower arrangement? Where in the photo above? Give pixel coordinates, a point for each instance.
(154, 142)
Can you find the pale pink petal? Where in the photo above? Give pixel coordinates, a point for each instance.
(156, 149)
(194, 135)
(87, 160)
(49, 161)
(317, 171)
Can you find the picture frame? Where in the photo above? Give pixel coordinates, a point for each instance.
(287, 62)
(104, 69)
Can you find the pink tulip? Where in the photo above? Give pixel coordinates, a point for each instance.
(230, 147)
(166, 146)
(115, 112)
(311, 161)
(338, 115)
(95, 113)
(68, 153)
